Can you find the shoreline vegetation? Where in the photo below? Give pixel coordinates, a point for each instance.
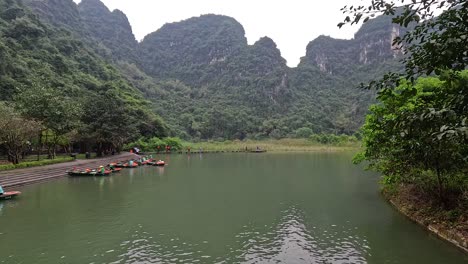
(417, 135)
(29, 164)
(271, 145)
(417, 139)
(179, 146)
(449, 225)
(315, 142)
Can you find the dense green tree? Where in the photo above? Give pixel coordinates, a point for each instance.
(57, 112)
(16, 132)
(304, 132)
(421, 127)
(108, 123)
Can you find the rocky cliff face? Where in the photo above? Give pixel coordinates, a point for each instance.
(195, 43)
(372, 44)
(205, 65)
(61, 13)
(110, 28)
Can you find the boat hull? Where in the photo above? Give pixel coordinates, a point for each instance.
(88, 174)
(9, 195)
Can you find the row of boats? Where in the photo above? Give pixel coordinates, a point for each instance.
(101, 171)
(115, 167)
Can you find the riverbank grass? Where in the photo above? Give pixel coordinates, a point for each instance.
(271, 145)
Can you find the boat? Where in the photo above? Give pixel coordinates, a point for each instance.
(114, 170)
(125, 165)
(91, 173)
(160, 163)
(9, 195)
(258, 151)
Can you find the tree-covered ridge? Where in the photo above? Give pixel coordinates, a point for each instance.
(184, 50)
(254, 92)
(58, 12)
(110, 28)
(57, 80)
(372, 44)
(207, 82)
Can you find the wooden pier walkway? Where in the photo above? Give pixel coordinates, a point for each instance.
(31, 175)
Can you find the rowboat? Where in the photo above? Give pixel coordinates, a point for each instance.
(77, 173)
(9, 195)
(160, 163)
(258, 151)
(120, 165)
(114, 170)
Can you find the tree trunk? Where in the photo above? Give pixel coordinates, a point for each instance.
(440, 185)
(39, 146)
(99, 150)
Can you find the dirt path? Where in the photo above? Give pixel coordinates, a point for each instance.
(38, 174)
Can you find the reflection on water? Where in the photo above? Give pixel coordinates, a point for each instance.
(292, 242)
(288, 241)
(239, 208)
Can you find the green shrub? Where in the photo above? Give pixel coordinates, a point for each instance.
(175, 143)
(304, 132)
(152, 144)
(35, 163)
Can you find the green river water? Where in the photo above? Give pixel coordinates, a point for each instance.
(226, 208)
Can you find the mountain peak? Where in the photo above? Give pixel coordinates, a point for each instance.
(266, 42)
(111, 28)
(96, 4)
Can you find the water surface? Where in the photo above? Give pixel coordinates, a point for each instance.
(227, 208)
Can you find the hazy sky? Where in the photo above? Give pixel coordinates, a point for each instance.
(292, 24)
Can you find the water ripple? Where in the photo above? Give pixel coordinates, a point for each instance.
(289, 240)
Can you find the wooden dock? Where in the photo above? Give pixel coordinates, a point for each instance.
(18, 177)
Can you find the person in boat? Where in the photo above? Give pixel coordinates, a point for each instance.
(1, 190)
(130, 163)
(102, 169)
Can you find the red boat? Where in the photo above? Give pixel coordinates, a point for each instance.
(9, 195)
(114, 170)
(125, 165)
(160, 163)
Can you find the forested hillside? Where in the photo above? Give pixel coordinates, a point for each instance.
(208, 83)
(53, 77)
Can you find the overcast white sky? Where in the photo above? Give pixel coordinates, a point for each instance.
(290, 23)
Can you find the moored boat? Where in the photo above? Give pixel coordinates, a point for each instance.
(160, 163)
(258, 151)
(126, 165)
(9, 195)
(91, 173)
(114, 170)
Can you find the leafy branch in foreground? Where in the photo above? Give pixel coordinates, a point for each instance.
(436, 38)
